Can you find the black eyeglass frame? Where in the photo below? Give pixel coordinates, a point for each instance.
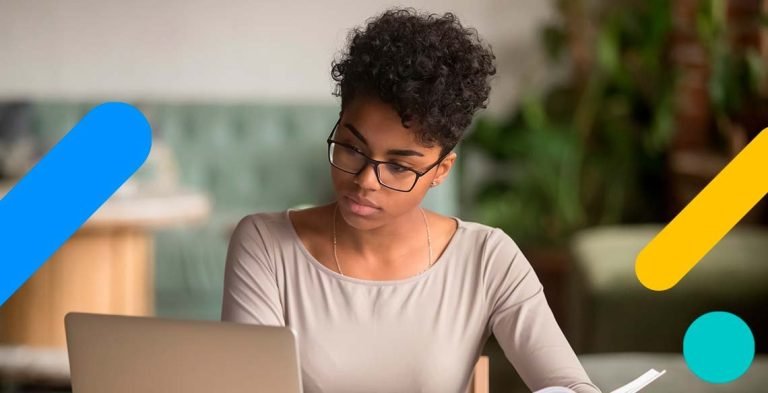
(376, 163)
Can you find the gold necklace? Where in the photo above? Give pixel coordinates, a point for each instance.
(336, 257)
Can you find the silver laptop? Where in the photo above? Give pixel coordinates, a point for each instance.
(120, 354)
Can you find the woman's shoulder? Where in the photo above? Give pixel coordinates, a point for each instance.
(474, 239)
(279, 226)
(257, 222)
(478, 231)
(302, 215)
(491, 244)
(263, 227)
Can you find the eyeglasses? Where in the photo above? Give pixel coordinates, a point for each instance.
(394, 176)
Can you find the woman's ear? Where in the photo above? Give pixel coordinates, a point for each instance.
(443, 169)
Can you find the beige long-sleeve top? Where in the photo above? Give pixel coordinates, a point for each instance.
(420, 334)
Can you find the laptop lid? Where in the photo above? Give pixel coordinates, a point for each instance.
(121, 354)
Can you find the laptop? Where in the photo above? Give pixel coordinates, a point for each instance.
(121, 354)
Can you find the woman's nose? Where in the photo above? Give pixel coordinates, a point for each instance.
(366, 178)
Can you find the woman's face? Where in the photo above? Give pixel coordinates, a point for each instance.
(375, 129)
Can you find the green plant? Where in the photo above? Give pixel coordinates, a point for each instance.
(738, 81)
(588, 150)
(592, 149)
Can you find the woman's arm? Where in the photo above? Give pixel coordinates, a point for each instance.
(522, 321)
(251, 292)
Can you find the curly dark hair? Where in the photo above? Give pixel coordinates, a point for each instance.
(433, 71)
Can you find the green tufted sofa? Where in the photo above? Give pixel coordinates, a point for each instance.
(247, 157)
(612, 312)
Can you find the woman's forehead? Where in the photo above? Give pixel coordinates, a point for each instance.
(380, 125)
(390, 142)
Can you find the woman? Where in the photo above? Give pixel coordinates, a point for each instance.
(384, 295)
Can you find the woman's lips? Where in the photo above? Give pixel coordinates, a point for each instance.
(358, 209)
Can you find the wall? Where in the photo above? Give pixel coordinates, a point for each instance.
(234, 50)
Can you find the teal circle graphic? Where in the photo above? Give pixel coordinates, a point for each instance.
(719, 347)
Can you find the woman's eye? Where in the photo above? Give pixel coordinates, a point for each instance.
(397, 168)
(352, 148)
(355, 148)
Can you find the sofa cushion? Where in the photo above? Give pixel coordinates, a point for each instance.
(612, 311)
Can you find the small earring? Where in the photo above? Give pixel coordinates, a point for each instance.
(434, 183)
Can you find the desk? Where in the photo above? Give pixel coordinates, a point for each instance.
(105, 267)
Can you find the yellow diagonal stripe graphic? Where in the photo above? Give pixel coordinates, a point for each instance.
(707, 219)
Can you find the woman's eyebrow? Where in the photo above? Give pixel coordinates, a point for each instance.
(391, 152)
(406, 153)
(356, 133)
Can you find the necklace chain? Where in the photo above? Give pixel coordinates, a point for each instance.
(336, 256)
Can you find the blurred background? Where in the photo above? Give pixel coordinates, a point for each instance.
(605, 119)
